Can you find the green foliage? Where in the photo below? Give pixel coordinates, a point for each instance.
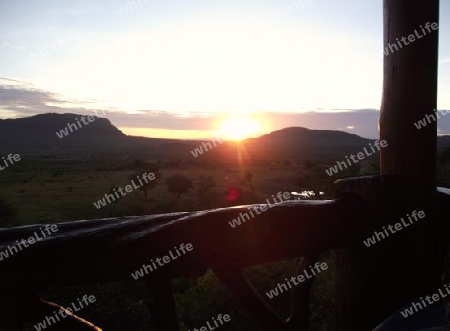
(372, 168)
(178, 184)
(352, 171)
(203, 298)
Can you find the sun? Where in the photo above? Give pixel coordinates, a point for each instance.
(239, 127)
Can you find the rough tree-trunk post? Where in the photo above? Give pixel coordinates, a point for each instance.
(410, 91)
(410, 95)
(372, 282)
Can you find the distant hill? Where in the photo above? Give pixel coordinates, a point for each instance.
(313, 138)
(37, 135)
(304, 143)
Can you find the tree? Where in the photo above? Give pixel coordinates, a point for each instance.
(142, 167)
(206, 191)
(178, 184)
(247, 179)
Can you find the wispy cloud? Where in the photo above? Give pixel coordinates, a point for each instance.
(6, 44)
(24, 99)
(74, 11)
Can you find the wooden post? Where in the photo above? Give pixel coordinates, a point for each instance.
(373, 282)
(410, 91)
(410, 95)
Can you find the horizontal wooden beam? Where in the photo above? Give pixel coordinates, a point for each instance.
(111, 249)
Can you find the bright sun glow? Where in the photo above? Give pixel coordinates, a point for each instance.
(244, 66)
(239, 127)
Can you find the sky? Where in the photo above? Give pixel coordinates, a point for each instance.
(180, 69)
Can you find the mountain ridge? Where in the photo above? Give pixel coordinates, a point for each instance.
(37, 135)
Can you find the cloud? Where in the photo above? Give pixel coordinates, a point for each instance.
(6, 44)
(21, 99)
(24, 99)
(74, 11)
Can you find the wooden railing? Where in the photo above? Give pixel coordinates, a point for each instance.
(111, 249)
(104, 250)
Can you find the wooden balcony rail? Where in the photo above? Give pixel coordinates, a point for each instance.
(104, 250)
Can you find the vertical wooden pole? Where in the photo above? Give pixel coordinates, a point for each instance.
(373, 282)
(409, 96)
(410, 90)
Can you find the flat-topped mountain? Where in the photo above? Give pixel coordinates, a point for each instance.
(48, 124)
(50, 133)
(72, 134)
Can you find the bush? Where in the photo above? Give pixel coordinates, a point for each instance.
(178, 184)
